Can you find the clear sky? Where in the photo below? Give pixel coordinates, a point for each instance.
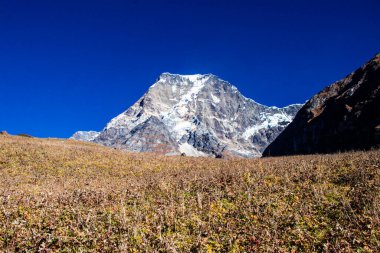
(74, 65)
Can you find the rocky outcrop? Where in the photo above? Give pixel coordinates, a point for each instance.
(85, 135)
(25, 135)
(151, 135)
(343, 116)
(196, 115)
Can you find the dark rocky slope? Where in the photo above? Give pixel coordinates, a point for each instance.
(344, 116)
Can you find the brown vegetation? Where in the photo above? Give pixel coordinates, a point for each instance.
(63, 195)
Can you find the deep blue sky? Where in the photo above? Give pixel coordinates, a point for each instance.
(73, 65)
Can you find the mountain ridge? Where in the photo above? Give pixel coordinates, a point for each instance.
(202, 114)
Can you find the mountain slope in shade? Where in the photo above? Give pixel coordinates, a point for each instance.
(344, 116)
(199, 115)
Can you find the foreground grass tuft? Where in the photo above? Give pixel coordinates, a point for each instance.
(63, 195)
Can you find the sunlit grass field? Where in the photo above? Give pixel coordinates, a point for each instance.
(69, 196)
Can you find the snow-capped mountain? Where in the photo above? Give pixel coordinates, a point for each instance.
(199, 115)
(85, 135)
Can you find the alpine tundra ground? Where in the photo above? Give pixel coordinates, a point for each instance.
(63, 195)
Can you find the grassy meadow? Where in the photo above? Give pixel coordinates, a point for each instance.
(69, 196)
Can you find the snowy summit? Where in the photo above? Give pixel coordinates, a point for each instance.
(198, 115)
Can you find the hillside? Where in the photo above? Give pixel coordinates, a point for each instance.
(343, 116)
(75, 196)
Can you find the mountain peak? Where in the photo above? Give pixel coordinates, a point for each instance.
(174, 78)
(198, 115)
(192, 76)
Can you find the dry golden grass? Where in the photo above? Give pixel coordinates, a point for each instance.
(62, 195)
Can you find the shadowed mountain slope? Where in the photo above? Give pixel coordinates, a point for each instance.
(343, 116)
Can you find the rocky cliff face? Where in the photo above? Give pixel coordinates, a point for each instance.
(343, 116)
(199, 115)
